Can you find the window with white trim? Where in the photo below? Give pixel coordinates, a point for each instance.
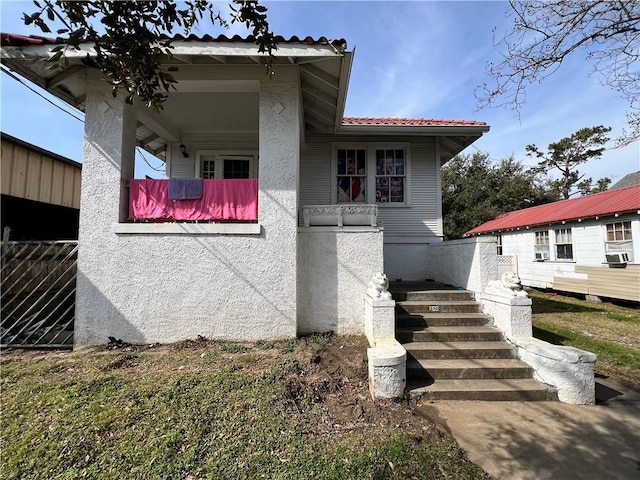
(541, 245)
(563, 244)
(619, 232)
(499, 244)
(619, 238)
(214, 164)
(371, 174)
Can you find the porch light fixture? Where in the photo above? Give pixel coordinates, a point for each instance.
(183, 149)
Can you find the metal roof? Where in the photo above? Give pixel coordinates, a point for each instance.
(611, 202)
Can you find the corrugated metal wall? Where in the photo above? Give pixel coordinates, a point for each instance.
(34, 175)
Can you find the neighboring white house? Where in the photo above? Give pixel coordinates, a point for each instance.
(308, 204)
(588, 245)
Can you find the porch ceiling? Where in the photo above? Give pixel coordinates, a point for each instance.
(323, 71)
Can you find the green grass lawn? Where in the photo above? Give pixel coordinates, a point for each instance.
(195, 410)
(610, 331)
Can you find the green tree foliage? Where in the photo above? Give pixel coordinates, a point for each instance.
(130, 38)
(475, 191)
(546, 33)
(568, 153)
(586, 187)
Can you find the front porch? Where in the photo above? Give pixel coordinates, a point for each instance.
(230, 200)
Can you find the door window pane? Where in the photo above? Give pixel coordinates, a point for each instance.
(208, 167)
(236, 168)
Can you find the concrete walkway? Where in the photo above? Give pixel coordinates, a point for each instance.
(548, 440)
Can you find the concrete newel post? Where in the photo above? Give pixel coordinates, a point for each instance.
(379, 319)
(387, 369)
(387, 357)
(510, 314)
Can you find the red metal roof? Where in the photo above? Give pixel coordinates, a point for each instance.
(17, 40)
(622, 200)
(410, 122)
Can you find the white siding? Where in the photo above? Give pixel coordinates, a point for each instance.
(588, 243)
(421, 219)
(532, 273)
(407, 229)
(315, 174)
(181, 167)
(588, 250)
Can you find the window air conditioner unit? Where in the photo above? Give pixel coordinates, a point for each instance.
(617, 258)
(542, 256)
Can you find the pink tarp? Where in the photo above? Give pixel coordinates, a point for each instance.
(221, 200)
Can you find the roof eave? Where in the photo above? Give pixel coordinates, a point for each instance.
(345, 77)
(417, 130)
(495, 231)
(184, 47)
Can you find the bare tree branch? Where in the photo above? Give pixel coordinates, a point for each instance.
(545, 33)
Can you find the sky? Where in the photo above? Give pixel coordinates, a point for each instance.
(413, 59)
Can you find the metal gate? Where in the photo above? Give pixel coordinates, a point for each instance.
(38, 294)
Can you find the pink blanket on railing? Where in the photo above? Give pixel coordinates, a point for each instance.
(221, 200)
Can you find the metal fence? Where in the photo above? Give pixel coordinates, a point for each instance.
(38, 294)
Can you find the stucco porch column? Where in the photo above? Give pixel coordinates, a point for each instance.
(108, 162)
(279, 144)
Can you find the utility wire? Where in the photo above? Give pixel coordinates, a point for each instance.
(157, 169)
(19, 80)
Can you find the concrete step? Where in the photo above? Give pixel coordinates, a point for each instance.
(448, 334)
(438, 307)
(404, 319)
(476, 368)
(434, 296)
(460, 350)
(489, 390)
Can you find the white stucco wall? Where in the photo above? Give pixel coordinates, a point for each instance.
(469, 263)
(163, 288)
(334, 267)
(408, 261)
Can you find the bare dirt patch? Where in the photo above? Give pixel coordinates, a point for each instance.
(208, 409)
